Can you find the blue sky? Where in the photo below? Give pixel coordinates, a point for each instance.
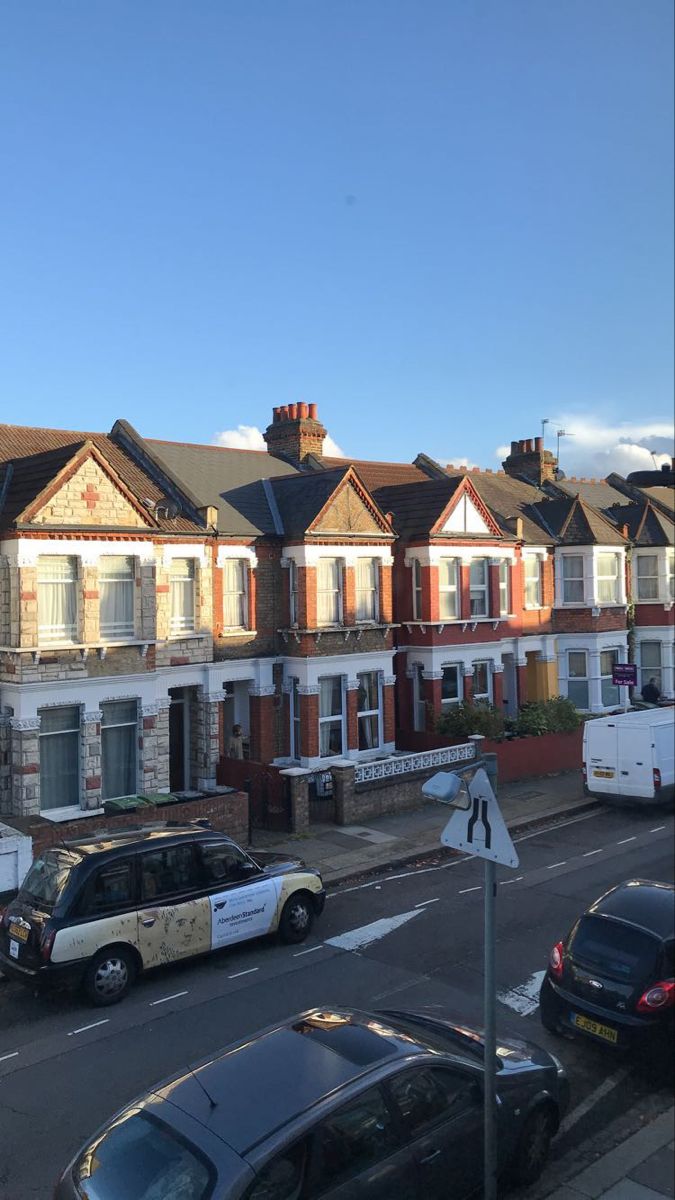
(441, 221)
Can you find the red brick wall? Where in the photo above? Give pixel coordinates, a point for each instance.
(352, 719)
(263, 728)
(309, 719)
(386, 594)
(653, 614)
(581, 620)
(389, 712)
(349, 596)
(520, 758)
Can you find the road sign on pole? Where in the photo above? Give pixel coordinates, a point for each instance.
(480, 830)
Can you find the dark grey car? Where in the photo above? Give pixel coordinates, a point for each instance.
(338, 1104)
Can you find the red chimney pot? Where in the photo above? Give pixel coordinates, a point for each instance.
(303, 411)
(293, 412)
(539, 444)
(313, 412)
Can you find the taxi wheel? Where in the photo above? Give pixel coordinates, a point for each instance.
(109, 976)
(296, 919)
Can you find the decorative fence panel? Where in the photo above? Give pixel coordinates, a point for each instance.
(404, 764)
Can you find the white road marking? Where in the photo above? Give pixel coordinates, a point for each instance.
(624, 840)
(12, 1055)
(365, 935)
(588, 853)
(84, 1028)
(524, 999)
(657, 829)
(240, 973)
(552, 866)
(504, 882)
(423, 902)
(552, 828)
(165, 998)
(601, 1090)
(465, 890)
(401, 987)
(311, 950)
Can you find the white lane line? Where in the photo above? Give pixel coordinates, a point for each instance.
(311, 950)
(465, 890)
(422, 903)
(657, 829)
(601, 1090)
(504, 882)
(561, 825)
(624, 840)
(589, 853)
(12, 1055)
(84, 1028)
(552, 866)
(401, 987)
(524, 999)
(240, 973)
(365, 935)
(165, 998)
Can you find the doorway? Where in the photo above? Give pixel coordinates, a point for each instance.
(510, 685)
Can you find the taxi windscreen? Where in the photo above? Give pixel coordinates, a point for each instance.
(48, 877)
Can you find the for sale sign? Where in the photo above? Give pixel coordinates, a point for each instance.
(624, 674)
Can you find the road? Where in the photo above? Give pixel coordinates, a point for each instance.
(411, 937)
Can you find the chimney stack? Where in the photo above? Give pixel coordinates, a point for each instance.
(295, 432)
(529, 461)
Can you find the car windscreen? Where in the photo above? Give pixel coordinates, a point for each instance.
(48, 877)
(141, 1158)
(613, 949)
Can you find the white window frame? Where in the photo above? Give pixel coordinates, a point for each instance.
(647, 672)
(334, 718)
(584, 679)
(293, 607)
(120, 725)
(185, 622)
(419, 700)
(616, 690)
(605, 578)
(235, 591)
(479, 592)
(504, 587)
(370, 712)
(368, 593)
(487, 663)
(65, 633)
(448, 702)
(333, 596)
(117, 631)
(641, 579)
(532, 584)
(670, 575)
(53, 733)
(566, 560)
(295, 720)
(449, 588)
(417, 589)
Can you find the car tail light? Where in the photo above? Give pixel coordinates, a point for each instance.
(46, 943)
(657, 779)
(658, 996)
(555, 961)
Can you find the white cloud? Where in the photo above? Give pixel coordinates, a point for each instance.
(249, 437)
(593, 448)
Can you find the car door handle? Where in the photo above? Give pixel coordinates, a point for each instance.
(430, 1157)
(149, 922)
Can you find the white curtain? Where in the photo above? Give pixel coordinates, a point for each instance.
(366, 589)
(57, 598)
(330, 713)
(234, 594)
(182, 581)
(116, 585)
(328, 591)
(119, 732)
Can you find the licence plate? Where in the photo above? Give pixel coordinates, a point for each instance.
(603, 774)
(602, 1031)
(19, 932)
(13, 949)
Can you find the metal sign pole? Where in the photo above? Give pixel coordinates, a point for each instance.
(490, 1037)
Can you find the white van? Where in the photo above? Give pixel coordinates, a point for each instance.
(631, 757)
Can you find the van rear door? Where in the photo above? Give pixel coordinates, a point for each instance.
(636, 775)
(601, 757)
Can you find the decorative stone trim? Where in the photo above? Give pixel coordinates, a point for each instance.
(24, 724)
(149, 710)
(403, 764)
(234, 551)
(266, 690)
(92, 718)
(388, 680)
(183, 550)
(308, 689)
(432, 674)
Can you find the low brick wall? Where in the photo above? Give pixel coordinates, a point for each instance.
(518, 758)
(356, 803)
(227, 813)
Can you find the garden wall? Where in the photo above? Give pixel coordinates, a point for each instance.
(518, 758)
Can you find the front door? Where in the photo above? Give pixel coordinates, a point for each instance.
(178, 733)
(174, 919)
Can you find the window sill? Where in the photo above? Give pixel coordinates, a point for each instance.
(84, 648)
(345, 630)
(240, 631)
(73, 813)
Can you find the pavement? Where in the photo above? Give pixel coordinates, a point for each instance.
(641, 1168)
(343, 851)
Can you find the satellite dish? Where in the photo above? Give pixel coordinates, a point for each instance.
(167, 509)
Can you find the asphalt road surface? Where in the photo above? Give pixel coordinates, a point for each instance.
(413, 936)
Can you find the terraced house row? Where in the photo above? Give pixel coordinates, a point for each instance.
(155, 594)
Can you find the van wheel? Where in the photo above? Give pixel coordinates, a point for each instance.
(296, 919)
(109, 976)
(533, 1147)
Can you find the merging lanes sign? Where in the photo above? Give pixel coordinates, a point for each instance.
(480, 830)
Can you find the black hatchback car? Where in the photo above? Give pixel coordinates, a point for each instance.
(613, 976)
(334, 1104)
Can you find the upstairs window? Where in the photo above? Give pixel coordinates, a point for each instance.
(293, 591)
(417, 589)
(532, 565)
(329, 591)
(504, 587)
(57, 598)
(368, 705)
(367, 600)
(235, 593)
(647, 577)
(608, 579)
(116, 588)
(573, 579)
(448, 589)
(182, 595)
(478, 587)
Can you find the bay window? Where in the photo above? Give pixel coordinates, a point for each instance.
(647, 577)
(573, 579)
(417, 589)
(650, 663)
(481, 681)
(329, 591)
(182, 595)
(609, 690)
(60, 757)
(532, 565)
(57, 598)
(235, 593)
(448, 589)
(478, 587)
(116, 590)
(577, 678)
(367, 600)
(451, 686)
(331, 722)
(504, 587)
(608, 578)
(368, 707)
(119, 737)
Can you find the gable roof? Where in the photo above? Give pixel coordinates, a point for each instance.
(376, 475)
(302, 499)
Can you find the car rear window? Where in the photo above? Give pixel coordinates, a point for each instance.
(617, 950)
(48, 877)
(140, 1158)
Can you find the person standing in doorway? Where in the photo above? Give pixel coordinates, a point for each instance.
(236, 746)
(650, 692)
